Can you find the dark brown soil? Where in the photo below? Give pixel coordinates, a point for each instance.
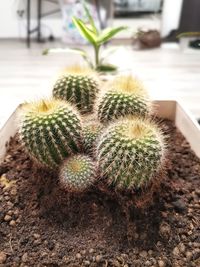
(41, 225)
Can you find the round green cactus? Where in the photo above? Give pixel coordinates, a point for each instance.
(78, 86)
(50, 131)
(125, 96)
(77, 173)
(130, 152)
(91, 131)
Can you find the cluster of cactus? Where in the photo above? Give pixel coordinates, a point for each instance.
(120, 143)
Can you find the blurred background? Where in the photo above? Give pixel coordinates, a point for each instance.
(151, 48)
(44, 20)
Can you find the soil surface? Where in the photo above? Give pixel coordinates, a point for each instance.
(42, 225)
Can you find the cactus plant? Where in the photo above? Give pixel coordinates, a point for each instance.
(125, 96)
(130, 152)
(91, 131)
(79, 86)
(50, 131)
(77, 173)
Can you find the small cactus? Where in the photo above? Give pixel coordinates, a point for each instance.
(130, 152)
(79, 86)
(50, 131)
(91, 131)
(125, 96)
(77, 173)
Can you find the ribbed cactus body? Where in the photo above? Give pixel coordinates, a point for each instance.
(125, 96)
(77, 173)
(78, 87)
(50, 131)
(91, 131)
(115, 104)
(130, 152)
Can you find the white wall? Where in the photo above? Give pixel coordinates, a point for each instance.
(170, 16)
(8, 19)
(12, 26)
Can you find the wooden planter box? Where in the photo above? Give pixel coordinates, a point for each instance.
(169, 109)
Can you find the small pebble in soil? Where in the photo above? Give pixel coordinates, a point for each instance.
(87, 263)
(83, 252)
(150, 252)
(98, 258)
(147, 263)
(25, 257)
(165, 230)
(7, 218)
(3, 257)
(91, 250)
(161, 263)
(37, 242)
(181, 247)
(176, 251)
(188, 255)
(10, 212)
(12, 223)
(36, 236)
(115, 263)
(78, 256)
(143, 254)
(13, 192)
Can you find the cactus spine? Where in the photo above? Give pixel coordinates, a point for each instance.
(77, 173)
(130, 152)
(78, 86)
(125, 96)
(50, 131)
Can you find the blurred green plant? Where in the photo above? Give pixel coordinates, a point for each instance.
(188, 34)
(95, 37)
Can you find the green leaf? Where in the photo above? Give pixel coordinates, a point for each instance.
(106, 68)
(45, 52)
(84, 31)
(108, 33)
(186, 34)
(90, 18)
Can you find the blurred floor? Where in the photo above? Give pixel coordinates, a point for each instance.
(167, 72)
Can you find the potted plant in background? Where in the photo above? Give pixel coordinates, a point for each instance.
(191, 39)
(96, 38)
